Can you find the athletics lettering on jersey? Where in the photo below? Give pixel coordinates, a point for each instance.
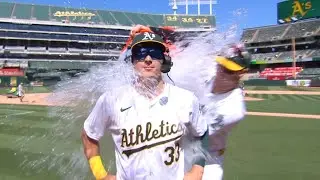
(139, 135)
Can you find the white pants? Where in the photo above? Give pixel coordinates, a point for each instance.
(213, 172)
(213, 169)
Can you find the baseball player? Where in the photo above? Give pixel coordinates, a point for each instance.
(20, 92)
(223, 106)
(146, 126)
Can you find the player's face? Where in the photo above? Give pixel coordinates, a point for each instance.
(147, 61)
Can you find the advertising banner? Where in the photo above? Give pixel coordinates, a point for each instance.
(11, 72)
(298, 9)
(300, 82)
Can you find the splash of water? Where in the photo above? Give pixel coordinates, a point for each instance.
(76, 96)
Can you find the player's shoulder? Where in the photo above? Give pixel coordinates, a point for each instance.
(116, 95)
(181, 93)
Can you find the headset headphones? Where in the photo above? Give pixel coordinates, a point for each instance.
(167, 62)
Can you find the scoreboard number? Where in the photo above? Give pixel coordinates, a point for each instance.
(172, 18)
(187, 20)
(202, 20)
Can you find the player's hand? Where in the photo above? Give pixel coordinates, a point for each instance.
(109, 177)
(195, 173)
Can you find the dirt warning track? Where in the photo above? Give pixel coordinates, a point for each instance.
(284, 92)
(305, 116)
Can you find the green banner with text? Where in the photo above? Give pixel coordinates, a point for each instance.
(299, 9)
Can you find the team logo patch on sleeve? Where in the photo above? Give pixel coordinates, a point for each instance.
(163, 101)
(218, 122)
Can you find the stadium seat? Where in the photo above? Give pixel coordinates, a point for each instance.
(36, 49)
(248, 35)
(281, 72)
(310, 71)
(77, 50)
(14, 48)
(281, 32)
(316, 53)
(57, 50)
(301, 29)
(267, 33)
(99, 51)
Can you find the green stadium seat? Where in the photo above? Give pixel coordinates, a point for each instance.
(6, 9)
(22, 11)
(107, 18)
(310, 71)
(41, 13)
(122, 18)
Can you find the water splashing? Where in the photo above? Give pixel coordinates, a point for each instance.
(62, 149)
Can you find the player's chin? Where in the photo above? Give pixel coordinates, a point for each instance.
(149, 73)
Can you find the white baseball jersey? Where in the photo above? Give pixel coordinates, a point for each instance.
(147, 133)
(221, 112)
(20, 90)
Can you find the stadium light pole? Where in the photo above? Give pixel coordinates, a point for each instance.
(175, 3)
(210, 7)
(199, 7)
(187, 7)
(175, 7)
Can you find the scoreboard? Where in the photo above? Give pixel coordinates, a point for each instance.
(185, 21)
(298, 9)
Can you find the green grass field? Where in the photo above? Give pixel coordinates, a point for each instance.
(29, 89)
(259, 148)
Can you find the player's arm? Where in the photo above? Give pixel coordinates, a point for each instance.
(94, 128)
(196, 125)
(232, 65)
(198, 129)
